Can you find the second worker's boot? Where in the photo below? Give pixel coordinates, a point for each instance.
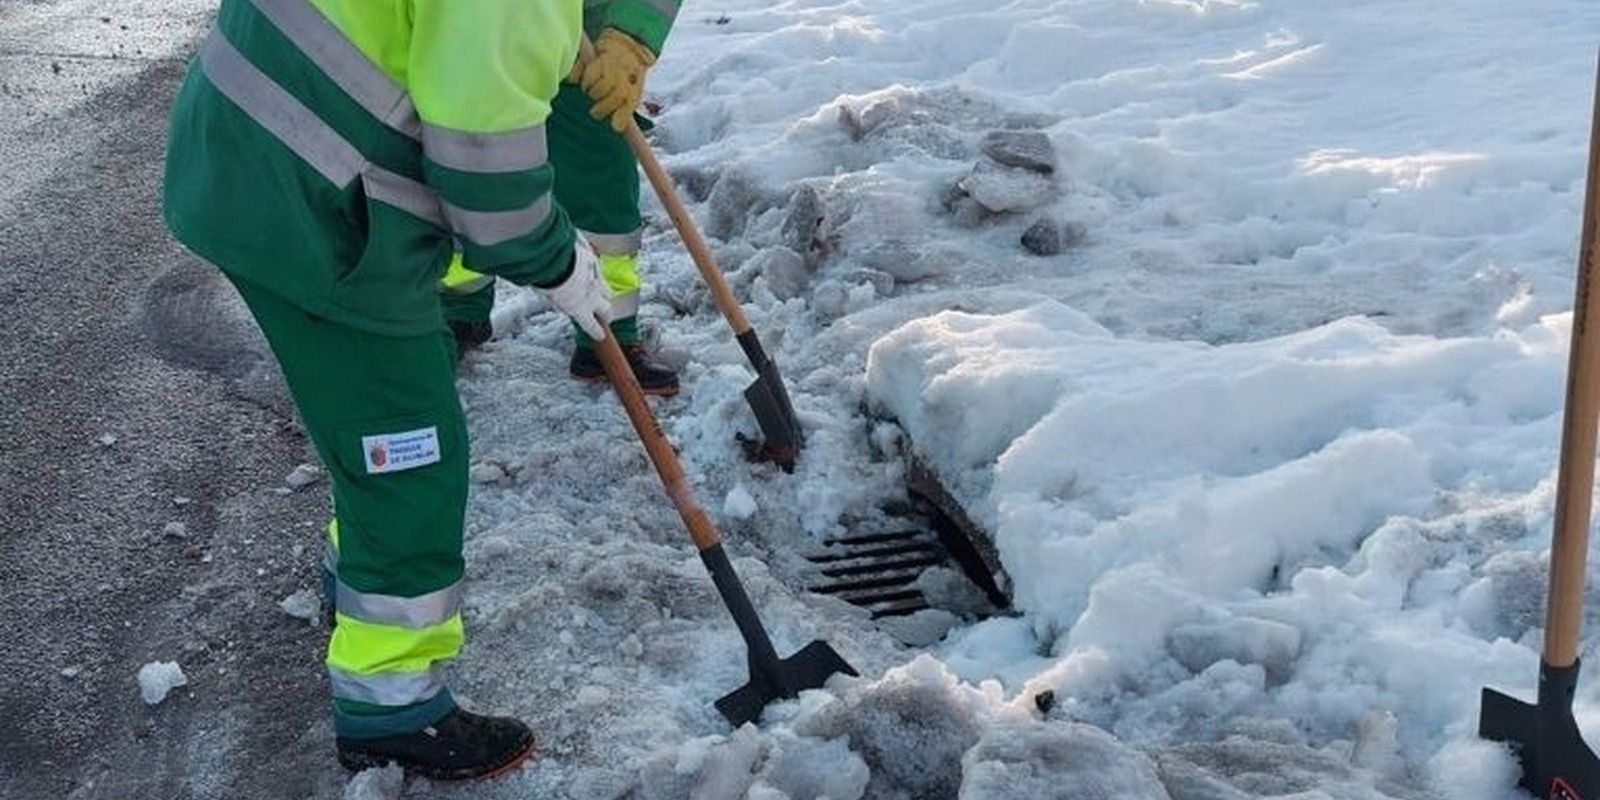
(654, 377)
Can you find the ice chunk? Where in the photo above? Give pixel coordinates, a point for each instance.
(1056, 761)
(1185, 781)
(912, 727)
(882, 282)
(1377, 745)
(1048, 236)
(802, 220)
(486, 472)
(631, 647)
(1030, 150)
(303, 476)
(740, 504)
(494, 547)
(952, 591)
(803, 767)
(922, 628)
(830, 299)
(730, 767)
(999, 189)
(734, 200)
(158, 678)
(764, 791)
(377, 783)
(305, 604)
(1273, 645)
(783, 269)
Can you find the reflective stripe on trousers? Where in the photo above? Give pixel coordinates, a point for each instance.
(460, 280)
(616, 244)
(621, 273)
(385, 649)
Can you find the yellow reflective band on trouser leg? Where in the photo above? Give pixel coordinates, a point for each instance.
(390, 665)
(621, 272)
(460, 280)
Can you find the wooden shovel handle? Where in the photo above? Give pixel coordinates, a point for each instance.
(687, 229)
(1575, 478)
(701, 529)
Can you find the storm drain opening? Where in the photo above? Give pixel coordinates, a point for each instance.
(882, 571)
(878, 571)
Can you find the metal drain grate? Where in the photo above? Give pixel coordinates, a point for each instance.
(878, 571)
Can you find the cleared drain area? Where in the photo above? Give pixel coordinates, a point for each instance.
(882, 571)
(879, 571)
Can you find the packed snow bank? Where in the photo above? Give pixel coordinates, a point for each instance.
(1321, 527)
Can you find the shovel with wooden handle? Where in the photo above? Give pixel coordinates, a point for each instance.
(1556, 763)
(771, 677)
(767, 395)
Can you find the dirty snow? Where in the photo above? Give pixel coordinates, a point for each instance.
(1240, 324)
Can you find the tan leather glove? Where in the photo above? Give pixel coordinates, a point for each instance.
(614, 80)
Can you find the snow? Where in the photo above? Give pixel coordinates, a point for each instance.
(1308, 527)
(158, 678)
(740, 504)
(1263, 419)
(376, 783)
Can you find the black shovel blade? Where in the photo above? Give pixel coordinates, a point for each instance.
(770, 401)
(1556, 763)
(808, 669)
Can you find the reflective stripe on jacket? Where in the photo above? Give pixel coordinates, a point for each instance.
(331, 150)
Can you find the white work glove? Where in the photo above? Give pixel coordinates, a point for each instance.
(584, 295)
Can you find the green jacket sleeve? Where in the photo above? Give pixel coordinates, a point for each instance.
(649, 21)
(483, 97)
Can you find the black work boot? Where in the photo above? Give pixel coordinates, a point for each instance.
(460, 746)
(654, 377)
(469, 334)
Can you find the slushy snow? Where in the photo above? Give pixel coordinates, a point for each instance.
(1240, 324)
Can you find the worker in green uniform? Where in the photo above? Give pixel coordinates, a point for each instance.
(330, 156)
(599, 185)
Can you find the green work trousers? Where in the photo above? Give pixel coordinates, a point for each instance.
(383, 414)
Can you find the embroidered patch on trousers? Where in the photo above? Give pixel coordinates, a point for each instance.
(393, 452)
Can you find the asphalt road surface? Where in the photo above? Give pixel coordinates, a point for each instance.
(134, 395)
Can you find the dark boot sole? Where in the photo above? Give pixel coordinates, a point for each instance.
(653, 391)
(356, 762)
